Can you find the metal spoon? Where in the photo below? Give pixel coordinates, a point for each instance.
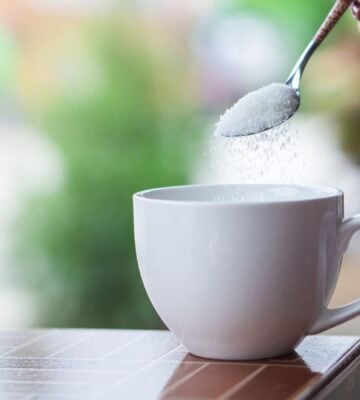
(268, 119)
(335, 14)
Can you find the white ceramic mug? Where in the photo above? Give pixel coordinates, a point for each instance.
(243, 271)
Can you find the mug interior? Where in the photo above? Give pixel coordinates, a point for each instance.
(250, 193)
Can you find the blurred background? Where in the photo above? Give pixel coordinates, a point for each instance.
(102, 98)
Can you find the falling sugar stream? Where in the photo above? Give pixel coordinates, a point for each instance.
(269, 157)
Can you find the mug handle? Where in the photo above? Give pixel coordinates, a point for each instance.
(332, 317)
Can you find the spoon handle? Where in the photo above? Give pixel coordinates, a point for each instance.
(335, 14)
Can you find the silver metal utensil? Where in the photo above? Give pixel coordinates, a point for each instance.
(335, 14)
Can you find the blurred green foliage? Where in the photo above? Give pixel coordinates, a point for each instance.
(349, 123)
(132, 132)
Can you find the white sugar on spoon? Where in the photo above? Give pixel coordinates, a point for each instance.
(259, 111)
(274, 104)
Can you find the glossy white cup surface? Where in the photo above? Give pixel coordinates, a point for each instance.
(243, 271)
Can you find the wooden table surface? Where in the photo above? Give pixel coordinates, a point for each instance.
(146, 365)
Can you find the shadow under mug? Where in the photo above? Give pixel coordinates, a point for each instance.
(243, 271)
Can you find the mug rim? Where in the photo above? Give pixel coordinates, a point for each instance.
(333, 193)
